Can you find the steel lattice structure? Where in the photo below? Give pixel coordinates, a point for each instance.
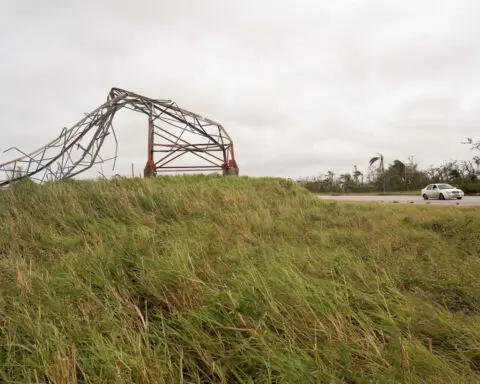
(172, 133)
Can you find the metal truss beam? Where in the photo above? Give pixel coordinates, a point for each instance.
(173, 132)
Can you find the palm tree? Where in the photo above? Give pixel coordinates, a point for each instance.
(401, 171)
(399, 166)
(357, 174)
(474, 144)
(476, 160)
(330, 178)
(381, 166)
(345, 179)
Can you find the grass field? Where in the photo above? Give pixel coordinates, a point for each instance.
(233, 280)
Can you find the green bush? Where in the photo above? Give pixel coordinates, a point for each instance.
(470, 188)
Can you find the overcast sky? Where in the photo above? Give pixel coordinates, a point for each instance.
(301, 86)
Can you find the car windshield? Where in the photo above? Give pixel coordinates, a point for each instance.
(445, 186)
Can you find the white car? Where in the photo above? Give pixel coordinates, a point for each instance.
(441, 191)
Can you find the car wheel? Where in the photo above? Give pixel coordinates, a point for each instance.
(459, 198)
(425, 197)
(441, 197)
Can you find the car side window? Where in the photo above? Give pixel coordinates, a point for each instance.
(429, 188)
(434, 187)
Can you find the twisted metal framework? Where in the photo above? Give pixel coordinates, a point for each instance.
(173, 132)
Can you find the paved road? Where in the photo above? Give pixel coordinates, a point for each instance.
(466, 201)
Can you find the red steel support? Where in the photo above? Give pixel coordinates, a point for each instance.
(150, 169)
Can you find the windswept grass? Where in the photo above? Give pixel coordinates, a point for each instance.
(233, 280)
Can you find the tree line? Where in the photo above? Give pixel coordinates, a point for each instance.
(400, 175)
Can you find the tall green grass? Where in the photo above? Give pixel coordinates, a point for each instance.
(233, 280)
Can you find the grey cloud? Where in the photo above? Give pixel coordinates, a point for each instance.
(301, 86)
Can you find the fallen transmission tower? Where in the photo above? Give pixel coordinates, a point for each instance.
(172, 133)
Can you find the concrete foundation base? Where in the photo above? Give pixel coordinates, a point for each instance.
(148, 172)
(231, 172)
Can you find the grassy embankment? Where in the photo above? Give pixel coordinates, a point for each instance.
(194, 279)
